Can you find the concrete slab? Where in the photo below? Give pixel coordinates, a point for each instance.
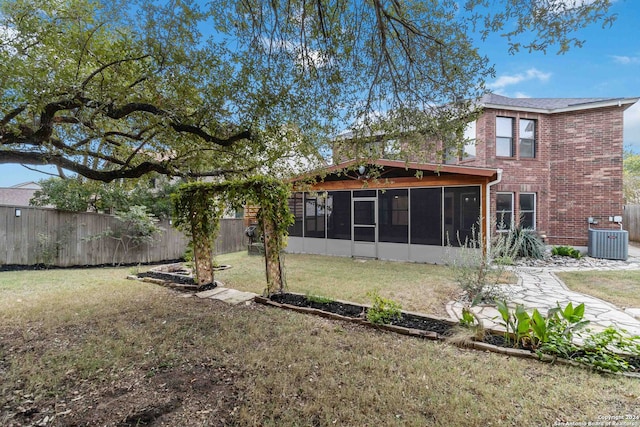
(230, 296)
(211, 292)
(233, 296)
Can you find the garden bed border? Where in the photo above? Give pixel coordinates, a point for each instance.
(434, 336)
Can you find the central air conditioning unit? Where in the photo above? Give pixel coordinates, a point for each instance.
(608, 244)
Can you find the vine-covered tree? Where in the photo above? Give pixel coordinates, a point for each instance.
(113, 89)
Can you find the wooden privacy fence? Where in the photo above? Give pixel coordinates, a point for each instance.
(30, 236)
(631, 221)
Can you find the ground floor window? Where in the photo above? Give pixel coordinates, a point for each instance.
(528, 210)
(504, 211)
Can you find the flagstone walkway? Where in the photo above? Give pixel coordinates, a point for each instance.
(540, 288)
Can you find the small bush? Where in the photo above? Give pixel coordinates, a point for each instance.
(519, 243)
(566, 251)
(383, 310)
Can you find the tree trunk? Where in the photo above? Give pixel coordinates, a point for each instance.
(203, 254)
(275, 281)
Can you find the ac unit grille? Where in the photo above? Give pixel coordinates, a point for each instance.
(609, 244)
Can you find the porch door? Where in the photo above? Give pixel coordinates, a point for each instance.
(365, 234)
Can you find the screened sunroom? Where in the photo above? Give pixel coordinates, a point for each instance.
(408, 212)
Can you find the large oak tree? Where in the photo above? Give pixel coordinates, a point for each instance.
(114, 89)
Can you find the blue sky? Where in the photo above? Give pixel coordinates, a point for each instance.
(608, 65)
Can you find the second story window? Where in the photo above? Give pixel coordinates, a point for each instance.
(469, 150)
(527, 138)
(504, 137)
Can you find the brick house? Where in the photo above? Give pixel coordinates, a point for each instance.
(561, 160)
(546, 164)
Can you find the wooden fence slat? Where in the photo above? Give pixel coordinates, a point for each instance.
(24, 240)
(631, 221)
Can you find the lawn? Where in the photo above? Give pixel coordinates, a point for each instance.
(621, 288)
(419, 287)
(87, 347)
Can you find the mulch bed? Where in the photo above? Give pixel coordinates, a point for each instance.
(412, 324)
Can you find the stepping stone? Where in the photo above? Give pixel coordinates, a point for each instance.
(212, 292)
(230, 296)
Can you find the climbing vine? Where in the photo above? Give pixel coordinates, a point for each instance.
(197, 213)
(198, 208)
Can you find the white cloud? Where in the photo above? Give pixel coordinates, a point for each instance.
(625, 60)
(632, 128)
(509, 80)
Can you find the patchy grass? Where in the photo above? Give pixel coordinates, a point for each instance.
(86, 347)
(418, 287)
(621, 288)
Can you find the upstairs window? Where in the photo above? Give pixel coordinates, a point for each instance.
(469, 150)
(504, 137)
(527, 138)
(464, 150)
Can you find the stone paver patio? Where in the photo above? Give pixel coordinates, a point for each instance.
(539, 288)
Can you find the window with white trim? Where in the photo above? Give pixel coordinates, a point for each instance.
(504, 137)
(504, 211)
(527, 140)
(528, 210)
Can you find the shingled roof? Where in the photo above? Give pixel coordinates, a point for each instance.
(552, 105)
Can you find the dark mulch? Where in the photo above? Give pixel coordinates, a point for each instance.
(410, 321)
(175, 278)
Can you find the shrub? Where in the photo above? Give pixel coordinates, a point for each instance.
(383, 310)
(525, 243)
(566, 251)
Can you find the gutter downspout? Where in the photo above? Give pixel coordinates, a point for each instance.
(488, 210)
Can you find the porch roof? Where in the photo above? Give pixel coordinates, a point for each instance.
(398, 169)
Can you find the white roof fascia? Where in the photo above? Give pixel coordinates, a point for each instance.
(591, 105)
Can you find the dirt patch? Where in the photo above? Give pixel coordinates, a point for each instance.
(178, 396)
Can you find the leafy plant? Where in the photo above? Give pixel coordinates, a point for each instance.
(552, 334)
(605, 349)
(468, 319)
(383, 310)
(517, 324)
(566, 251)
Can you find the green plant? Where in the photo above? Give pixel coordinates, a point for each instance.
(382, 310)
(605, 350)
(473, 270)
(552, 334)
(517, 324)
(468, 319)
(318, 299)
(566, 251)
(46, 249)
(522, 243)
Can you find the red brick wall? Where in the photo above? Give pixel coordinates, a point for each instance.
(586, 163)
(577, 172)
